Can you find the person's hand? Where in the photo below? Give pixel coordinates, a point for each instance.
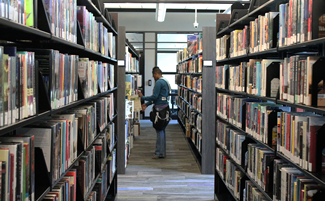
(140, 94)
(144, 107)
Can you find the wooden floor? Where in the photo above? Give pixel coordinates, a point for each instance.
(174, 178)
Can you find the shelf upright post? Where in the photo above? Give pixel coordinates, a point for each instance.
(208, 100)
(121, 101)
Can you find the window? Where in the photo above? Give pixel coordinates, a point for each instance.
(171, 80)
(138, 46)
(167, 62)
(172, 45)
(174, 87)
(134, 37)
(171, 38)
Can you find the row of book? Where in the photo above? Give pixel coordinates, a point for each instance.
(298, 137)
(297, 76)
(192, 66)
(105, 76)
(131, 63)
(193, 113)
(260, 166)
(193, 100)
(88, 74)
(230, 140)
(105, 179)
(95, 34)
(105, 110)
(192, 82)
(66, 189)
(62, 18)
(83, 175)
(258, 119)
(280, 180)
(292, 78)
(228, 172)
(60, 75)
(182, 55)
(255, 37)
(251, 192)
(257, 77)
(17, 85)
(21, 12)
(193, 127)
(58, 137)
(293, 133)
(291, 184)
(296, 22)
(132, 83)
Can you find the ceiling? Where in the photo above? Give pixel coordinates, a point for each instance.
(168, 6)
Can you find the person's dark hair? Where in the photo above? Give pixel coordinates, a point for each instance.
(156, 69)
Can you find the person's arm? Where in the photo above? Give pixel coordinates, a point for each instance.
(154, 96)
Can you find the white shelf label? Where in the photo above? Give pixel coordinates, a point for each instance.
(207, 63)
(120, 62)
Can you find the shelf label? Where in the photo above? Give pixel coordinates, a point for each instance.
(207, 63)
(120, 62)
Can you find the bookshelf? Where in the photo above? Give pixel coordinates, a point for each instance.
(194, 116)
(35, 39)
(281, 150)
(126, 53)
(133, 83)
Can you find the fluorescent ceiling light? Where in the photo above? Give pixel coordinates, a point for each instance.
(160, 12)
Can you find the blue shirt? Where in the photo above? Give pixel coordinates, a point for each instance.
(160, 94)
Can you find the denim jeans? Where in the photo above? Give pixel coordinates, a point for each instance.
(161, 143)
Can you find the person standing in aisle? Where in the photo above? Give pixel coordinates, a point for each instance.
(160, 115)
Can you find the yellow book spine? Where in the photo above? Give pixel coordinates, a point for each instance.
(29, 13)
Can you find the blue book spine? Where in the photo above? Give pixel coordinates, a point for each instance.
(258, 77)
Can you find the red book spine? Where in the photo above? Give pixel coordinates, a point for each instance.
(312, 146)
(258, 124)
(310, 19)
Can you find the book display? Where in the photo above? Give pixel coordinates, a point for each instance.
(269, 103)
(194, 96)
(58, 135)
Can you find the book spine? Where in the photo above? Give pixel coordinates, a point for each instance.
(310, 19)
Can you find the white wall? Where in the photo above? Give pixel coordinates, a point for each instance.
(173, 21)
(149, 64)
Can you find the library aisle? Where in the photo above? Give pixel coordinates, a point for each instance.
(176, 177)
